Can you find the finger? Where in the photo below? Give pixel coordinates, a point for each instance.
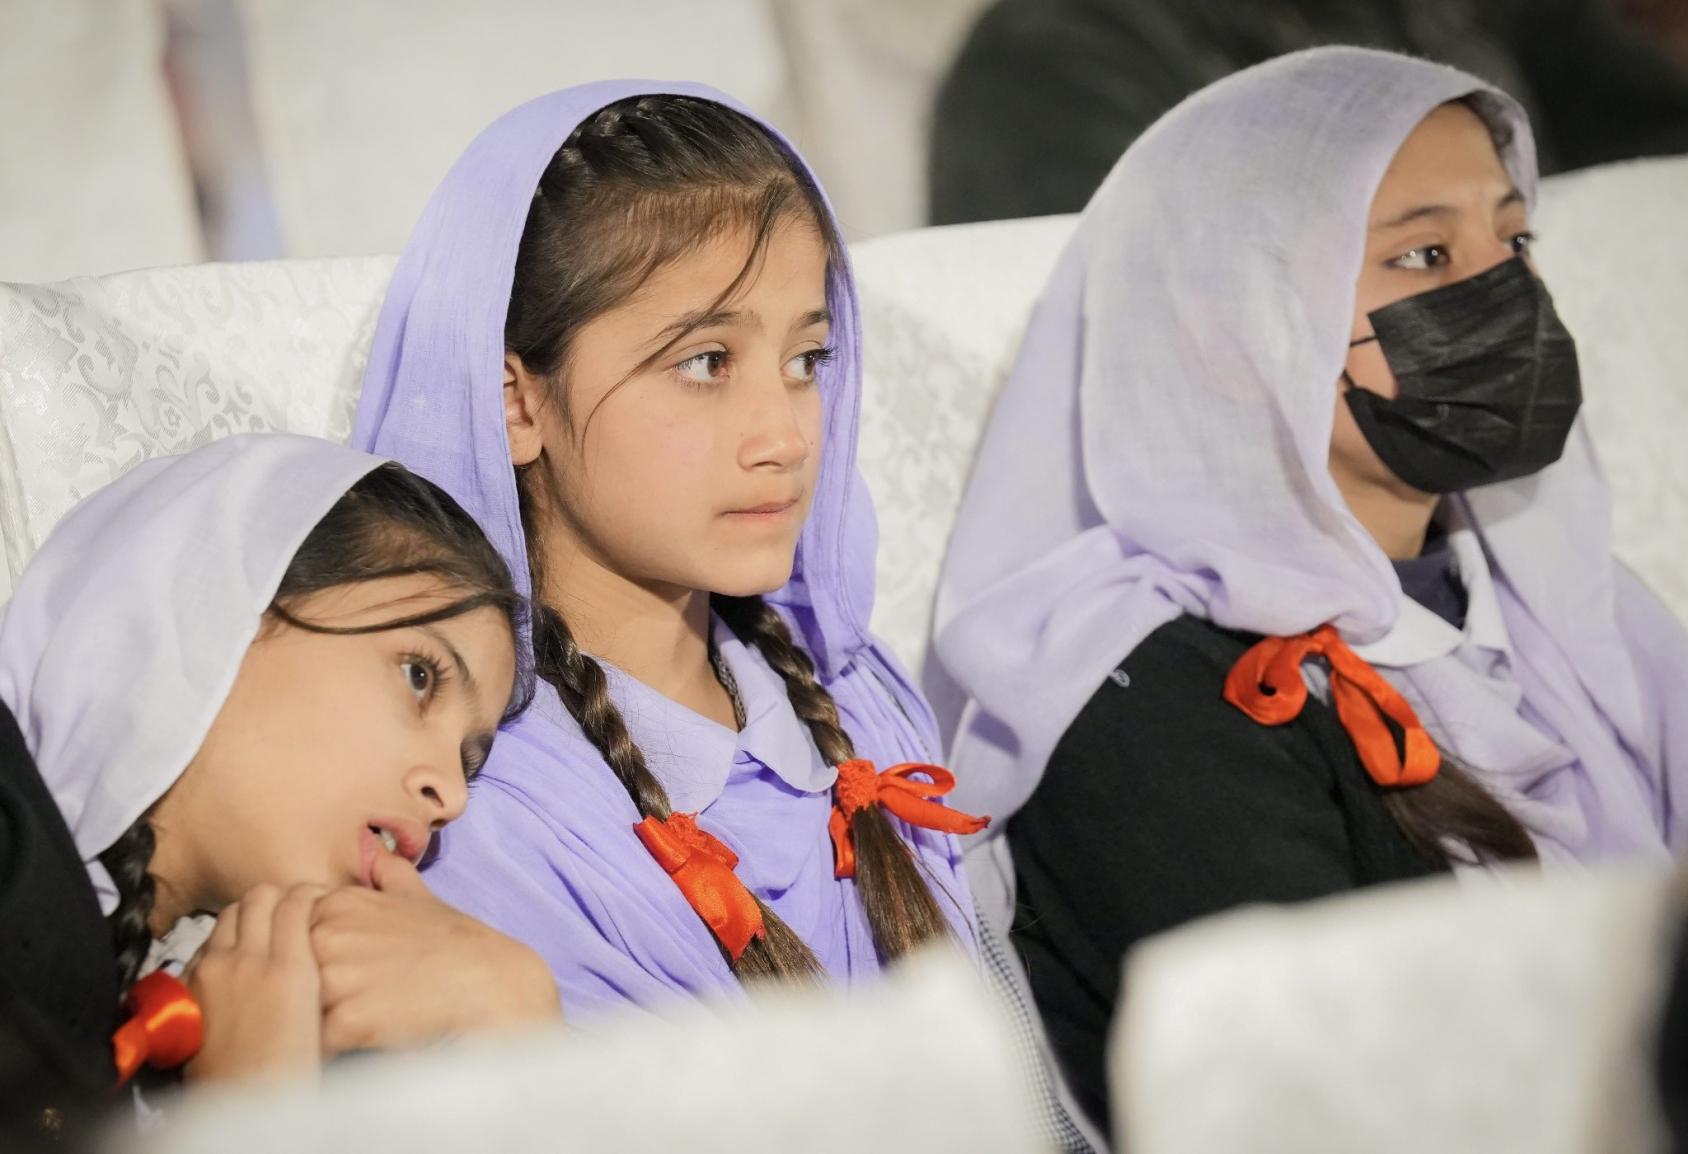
(226, 932)
(341, 981)
(257, 910)
(290, 929)
(394, 875)
(348, 1026)
(347, 902)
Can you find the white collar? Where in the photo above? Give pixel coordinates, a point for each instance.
(1418, 635)
(693, 756)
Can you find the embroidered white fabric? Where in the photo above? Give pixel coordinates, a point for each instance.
(98, 374)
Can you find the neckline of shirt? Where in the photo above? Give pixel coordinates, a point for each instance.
(694, 756)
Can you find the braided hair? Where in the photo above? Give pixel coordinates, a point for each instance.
(639, 184)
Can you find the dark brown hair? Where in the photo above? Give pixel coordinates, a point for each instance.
(637, 185)
(391, 523)
(1452, 820)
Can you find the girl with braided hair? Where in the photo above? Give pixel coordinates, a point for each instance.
(250, 681)
(624, 335)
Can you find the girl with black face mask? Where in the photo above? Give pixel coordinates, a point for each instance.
(1309, 587)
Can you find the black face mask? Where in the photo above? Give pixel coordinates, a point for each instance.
(1488, 381)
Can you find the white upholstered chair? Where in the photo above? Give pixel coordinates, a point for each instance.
(99, 373)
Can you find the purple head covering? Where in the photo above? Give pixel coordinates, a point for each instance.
(1176, 391)
(547, 850)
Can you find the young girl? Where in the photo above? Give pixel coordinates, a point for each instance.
(624, 336)
(252, 679)
(1295, 398)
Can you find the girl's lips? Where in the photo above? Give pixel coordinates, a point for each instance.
(369, 848)
(769, 510)
(410, 844)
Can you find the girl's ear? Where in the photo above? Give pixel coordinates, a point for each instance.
(523, 397)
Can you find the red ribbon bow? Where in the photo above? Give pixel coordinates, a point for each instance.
(165, 1026)
(1266, 684)
(861, 787)
(702, 866)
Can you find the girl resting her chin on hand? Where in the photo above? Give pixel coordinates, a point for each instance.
(253, 681)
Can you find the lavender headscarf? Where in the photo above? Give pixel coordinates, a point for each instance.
(1175, 392)
(562, 868)
(128, 627)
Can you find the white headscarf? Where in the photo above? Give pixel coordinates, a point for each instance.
(127, 629)
(1162, 447)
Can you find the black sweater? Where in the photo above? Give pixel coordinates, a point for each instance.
(1163, 803)
(58, 980)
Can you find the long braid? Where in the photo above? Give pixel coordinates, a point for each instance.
(127, 861)
(636, 185)
(580, 682)
(900, 906)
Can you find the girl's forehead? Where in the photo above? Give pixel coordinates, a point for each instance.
(1450, 147)
(731, 280)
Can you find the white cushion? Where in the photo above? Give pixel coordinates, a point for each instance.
(1514, 1017)
(943, 310)
(920, 1062)
(98, 374)
(101, 373)
(1614, 249)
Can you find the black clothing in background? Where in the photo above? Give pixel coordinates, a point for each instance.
(1163, 803)
(1671, 1069)
(58, 972)
(1046, 94)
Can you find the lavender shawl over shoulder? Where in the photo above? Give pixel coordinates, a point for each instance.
(546, 851)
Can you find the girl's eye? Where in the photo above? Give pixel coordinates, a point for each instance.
(1522, 242)
(1415, 259)
(421, 675)
(804, 366)
(705, 368)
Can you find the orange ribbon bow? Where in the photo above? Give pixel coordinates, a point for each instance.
(165, 1026)
(702, 866)
(1266, 684)
(860, 787)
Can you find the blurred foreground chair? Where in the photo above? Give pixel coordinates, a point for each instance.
(1509, 1016)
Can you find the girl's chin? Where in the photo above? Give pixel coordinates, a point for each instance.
(752, 580)
(750, 588)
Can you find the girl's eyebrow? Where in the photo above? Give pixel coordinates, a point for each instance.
(813, 317)
(705, 319)
(716, 318)
(1513, 196)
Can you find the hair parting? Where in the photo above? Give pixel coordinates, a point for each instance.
(638, 185)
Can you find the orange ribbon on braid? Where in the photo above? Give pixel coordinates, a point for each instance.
(1266, 684)
(702, 866)
(861, 787)
(165, 1026)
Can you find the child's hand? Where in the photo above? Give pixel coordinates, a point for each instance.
(400, 967)
(257, 984)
